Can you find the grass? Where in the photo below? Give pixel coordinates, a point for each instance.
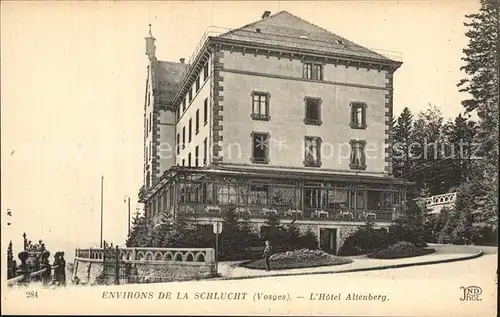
(297, 259)
(401, 250)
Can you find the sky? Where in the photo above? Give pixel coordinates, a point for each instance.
(73, 81)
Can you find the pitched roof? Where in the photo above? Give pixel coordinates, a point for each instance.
(287, 30)
(168, 78)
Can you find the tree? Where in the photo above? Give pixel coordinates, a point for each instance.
(275, 232)
(429, 169)
(459, 148)
(402, 137)
(140, 234)
(162, 231)
(481, 66)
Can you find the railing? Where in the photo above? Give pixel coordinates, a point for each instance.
(435, 203)
(183, 256)
(286, 212)
(27, 276)
(210, 31)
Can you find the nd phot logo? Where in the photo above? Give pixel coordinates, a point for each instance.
(471, 293)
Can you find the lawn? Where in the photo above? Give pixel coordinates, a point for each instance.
(400, 250)
(298, 259)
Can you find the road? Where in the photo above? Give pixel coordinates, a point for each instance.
(430, 290)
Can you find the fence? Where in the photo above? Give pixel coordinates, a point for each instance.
(26, 277)
(132, 265)
(434, 204)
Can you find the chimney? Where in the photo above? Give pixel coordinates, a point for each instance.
(182, 60)
(266, 14)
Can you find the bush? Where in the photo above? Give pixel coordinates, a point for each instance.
(402, 249)
(365, 240)
(298, 259)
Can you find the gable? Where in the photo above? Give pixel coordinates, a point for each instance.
(168, 76)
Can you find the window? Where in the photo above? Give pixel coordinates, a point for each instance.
(178, 143)
(227, 194)
(150, 120)
(312, 151)
(183, 137)
(259, 194)
(338, 198)
(358, 199)
(178, 114)
(283, 195)
(149, 150)
(191, 94)
(358, 159)
(312, 195)
(260, 147)
(189, 159)
(260, 106)
(197, 83)
(197, 123)
(205, 72)
(313, 111)
(205, 152)
(184, 105)
(183, 162)
(358, 115)
(196, 154)
(205, 111)
(190, 131)
(313, 71)
(147, 126)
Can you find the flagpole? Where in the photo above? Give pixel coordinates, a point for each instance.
(102, 194)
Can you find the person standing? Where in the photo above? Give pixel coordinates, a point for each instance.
(267, 254)
(62, 266)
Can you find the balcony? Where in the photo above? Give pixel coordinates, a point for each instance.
(285, 212)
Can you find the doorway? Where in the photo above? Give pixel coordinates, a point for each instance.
(328, 240)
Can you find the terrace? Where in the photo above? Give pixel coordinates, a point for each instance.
(208, 193)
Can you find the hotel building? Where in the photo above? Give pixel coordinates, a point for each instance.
(278, 116)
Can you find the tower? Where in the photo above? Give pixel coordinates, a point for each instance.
(149, 102)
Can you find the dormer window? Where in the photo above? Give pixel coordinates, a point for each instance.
(257, 30)
(339, 41)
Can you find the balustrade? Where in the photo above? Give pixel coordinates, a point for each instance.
(138, 255)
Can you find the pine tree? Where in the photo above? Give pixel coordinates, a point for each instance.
(402, 136)
(429, 167)
(230, 240)
(139, 233)
(459, 135)
(162, 231)
(482, 68)
(293, 235)
(276, 234)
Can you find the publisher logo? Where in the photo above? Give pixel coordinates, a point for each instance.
(471, 293)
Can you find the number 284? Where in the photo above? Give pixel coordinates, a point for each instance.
(31, 294)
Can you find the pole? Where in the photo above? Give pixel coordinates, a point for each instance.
(102, 194)
(217, 249)
(128, 216)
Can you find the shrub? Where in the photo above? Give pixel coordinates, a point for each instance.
(365, 240)
(300, 258)
(402, 249)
